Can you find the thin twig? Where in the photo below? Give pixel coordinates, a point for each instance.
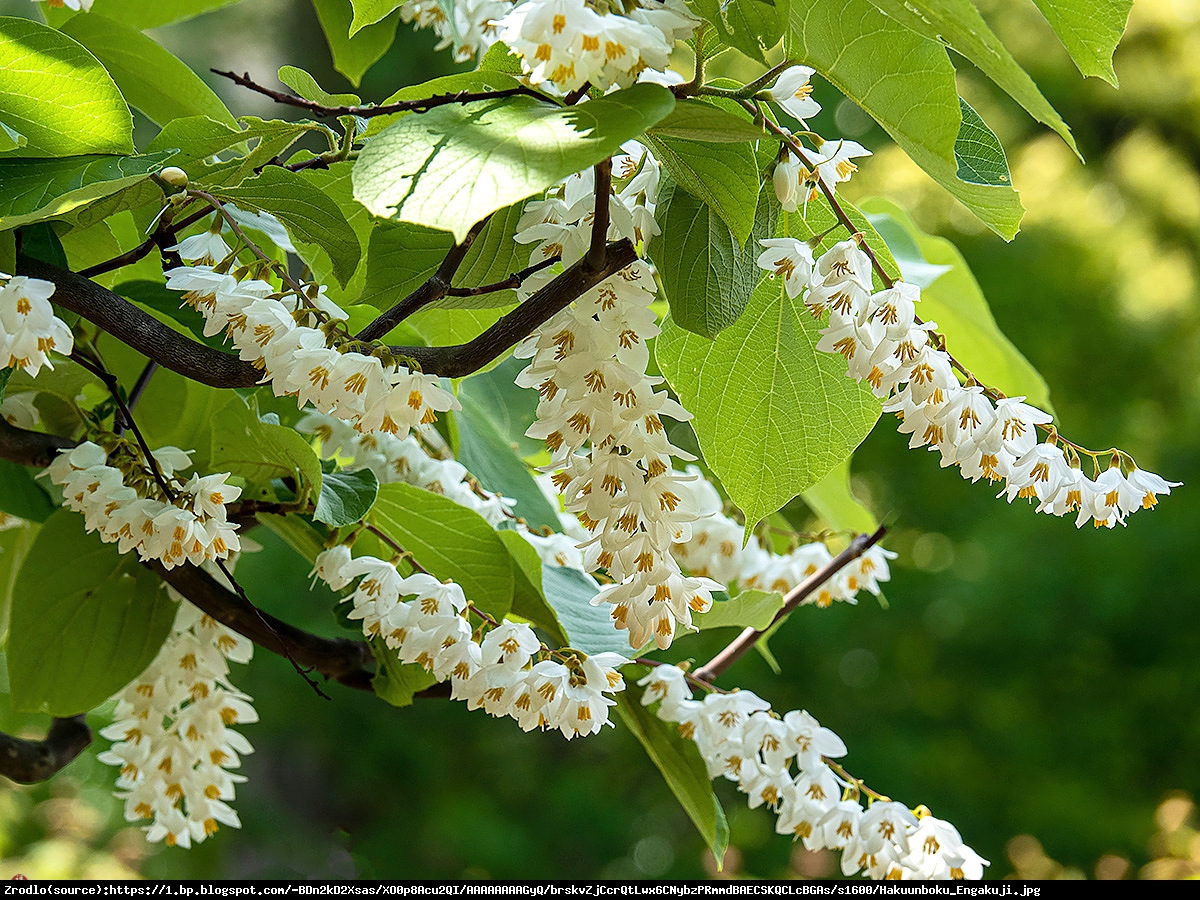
(512, 282)
(748, 638)
(129, 257)
(368, 111)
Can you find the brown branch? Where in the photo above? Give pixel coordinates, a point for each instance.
(30, 448)
(511, 283)
(434, 288)
(163, 235)
(598, 249)
(340, 659)
(28, 762)
(748, 638)
(322, 111)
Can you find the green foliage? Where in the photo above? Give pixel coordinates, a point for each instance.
(773, 414)
(394, 681)
(696, 120)
(33, 190)
(980, 155)
(752, 26)
(260, 451)
(746, 609)
(706, 276)
(589, 628)
(833, 500)
(80, 632)
(723, 176)
(354, 52)
(139, 14)
(368, 12)
(1090, 30)
(453, 165)
(529, 596)
(152, 79)
(57, 95)
(450, 542)
(20, 495)
(683, 770)
(346, 497)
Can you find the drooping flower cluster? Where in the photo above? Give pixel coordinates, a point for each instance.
(264, 326)
(172, 733)
(29, 330)
(192, 529)
(570, 43)
(716, 551)
(498, 672)
(783, 764)
(886, 346)
(474, 27)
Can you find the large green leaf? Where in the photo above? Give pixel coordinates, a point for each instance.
(14, 546)
(259, 451)
(494, 462)
(1090, 30)
(956, 302)
(958, 24)
(589, 628)
(772, 413)
(308, 214)
(450, 541)
(346, 497)
(78, 633)
(33, 190)
(746, 609)
(906, 83)
(723, 176)
(20, 495)
(451, 166)
(141, 14)
(529, 598)
(706, 276)
(752, 26)
(58, 95)
(353, 55)
(696, 120)
(151, 78)
(682, 768)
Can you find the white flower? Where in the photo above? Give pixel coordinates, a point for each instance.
(789, 258)
(208, 247)
(793, 92)
(834, 165)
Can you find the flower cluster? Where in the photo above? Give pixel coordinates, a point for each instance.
(297, 360)
(887, 346)
(173, 740)
(716, 551)
(474, 27)
(570, 43)
(29, 330)
(740, 738)
(797, 180)
(498, 672)
(192, 529)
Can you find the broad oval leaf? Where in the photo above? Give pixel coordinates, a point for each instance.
(1090, 30)
(451, 166)
(449, 541)
(354, 54)
(56, 94)
(346, 497)
(260, 451)
(724, 176)
(80, 632)
(752, 26)
(589, 628)
(696, 120)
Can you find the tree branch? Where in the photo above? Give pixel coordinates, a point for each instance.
(30, 448)
(748, 638)
(599, 246)
(340, 659)
(366, 112)
(434, 288)
(511, 283)
(28, 762)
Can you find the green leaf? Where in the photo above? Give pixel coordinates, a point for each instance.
(500, 58)
(746, 609)
(706, 276)
(835, 504)
(451, 166)
(488, 79)
(20, 495)
(958, 24)
(152, 79)
(450, 542)
(682, 768)
(81, 632)
(354, 52)
(529, 600)
(956, 302)
(394, 681)
(346, 497)
(14, 547)
(33, 190)
(752, 26)
(368, 12)
(309, 216)
(979, 153)
(906, 83)
(142, 14)
(258, 451)
(306, 86)
(696, 120)
(724, 176)
(1090, 30)
(494, 462)
(11, 139)
(589, 628)
(510, 407)
(772, 414)
(58, 95)
(401, 256)
(297, 532)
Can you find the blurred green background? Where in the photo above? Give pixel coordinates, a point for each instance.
(1036, 685)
